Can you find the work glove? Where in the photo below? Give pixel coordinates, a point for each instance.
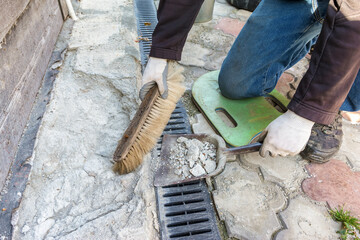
(155, 73)
(286, 135)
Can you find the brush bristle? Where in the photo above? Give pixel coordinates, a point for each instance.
(155, 123)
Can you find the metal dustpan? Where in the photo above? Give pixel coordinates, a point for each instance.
(165, 174)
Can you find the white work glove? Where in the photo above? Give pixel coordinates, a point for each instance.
(286, 135)
(155, 73)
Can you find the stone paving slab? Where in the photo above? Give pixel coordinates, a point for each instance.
(246, 204)
(335, 183)
(307, 220)
(288, 172)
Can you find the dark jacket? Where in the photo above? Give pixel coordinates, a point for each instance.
(333, 67)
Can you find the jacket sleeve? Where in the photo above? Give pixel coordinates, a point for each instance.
(175, 19)
(334, 64)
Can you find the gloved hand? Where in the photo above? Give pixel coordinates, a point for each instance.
(286, 135)
(155, 73)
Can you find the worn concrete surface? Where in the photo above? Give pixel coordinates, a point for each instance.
(73, 194)
(307, 220)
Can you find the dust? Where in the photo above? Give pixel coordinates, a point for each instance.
(191, 157)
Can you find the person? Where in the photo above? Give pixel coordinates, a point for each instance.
(276, 36)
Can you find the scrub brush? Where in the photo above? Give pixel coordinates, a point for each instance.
(148, 123)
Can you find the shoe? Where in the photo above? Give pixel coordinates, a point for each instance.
(249, 5)
(324, 142)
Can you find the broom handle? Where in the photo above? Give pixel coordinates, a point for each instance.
(136, 123)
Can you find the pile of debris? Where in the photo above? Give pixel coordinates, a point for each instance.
(191, 157)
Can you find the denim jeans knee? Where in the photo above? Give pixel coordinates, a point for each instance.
(224, 85)
(352, 101)
(236, 86)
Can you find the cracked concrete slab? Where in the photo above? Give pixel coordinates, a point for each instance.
(288, 172)
(72, 192)
(307, 220)
(254, 203)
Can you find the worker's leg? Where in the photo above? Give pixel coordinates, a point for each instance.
(176, 17)
(277, 35)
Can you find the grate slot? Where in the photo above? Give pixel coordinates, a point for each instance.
(169, 200)
(189, 228)
(184, 223)
(173, 123)
(172, 214)
(181, 193)
(187, 207)
(183, 202)
(177, 111)
(184, 187)
(174, 116)
(190, 233)
(197, 182)
(179, 218)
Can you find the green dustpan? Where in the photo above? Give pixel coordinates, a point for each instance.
(237, 121)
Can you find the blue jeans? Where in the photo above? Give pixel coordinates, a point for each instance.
(277, 35)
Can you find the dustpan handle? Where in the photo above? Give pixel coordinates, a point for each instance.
(253, 147)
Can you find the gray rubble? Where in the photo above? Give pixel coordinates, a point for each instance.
(191, 157)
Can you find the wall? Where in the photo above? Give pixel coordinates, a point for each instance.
(34, 26)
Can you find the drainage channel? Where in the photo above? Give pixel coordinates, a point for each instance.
(145, 12)
(185, 211)
(178, 124)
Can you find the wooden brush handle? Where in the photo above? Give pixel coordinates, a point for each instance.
(136, 123)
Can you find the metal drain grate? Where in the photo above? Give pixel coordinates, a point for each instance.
(186, 212)
(179, 121)
(145, 12)
(178, 124)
